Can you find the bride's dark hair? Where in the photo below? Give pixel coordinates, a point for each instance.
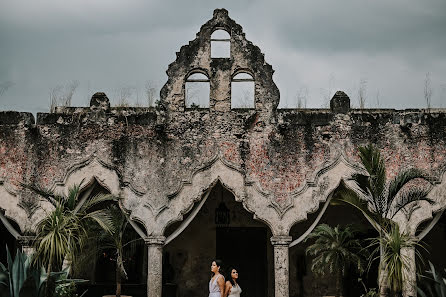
(229, 276)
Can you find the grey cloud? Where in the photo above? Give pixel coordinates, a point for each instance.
(318, 45)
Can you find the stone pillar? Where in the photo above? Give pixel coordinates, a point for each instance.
(281, 265)
(26, 244)
(409, 274)
(155, 264)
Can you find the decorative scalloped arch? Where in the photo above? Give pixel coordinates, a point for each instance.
(87, 172)
(9, 202)
(190, 191)
(218, 170)
(278, 216)
(323, 183)
(425, 211)
(15, 211)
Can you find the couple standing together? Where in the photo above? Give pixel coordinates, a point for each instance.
(217, 285)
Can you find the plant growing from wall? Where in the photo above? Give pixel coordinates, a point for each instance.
(380, 200)
(335, 249)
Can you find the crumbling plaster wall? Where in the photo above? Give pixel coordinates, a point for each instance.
(280, 164)
(300, 158)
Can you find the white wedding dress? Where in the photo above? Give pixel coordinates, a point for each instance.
(235, 291)
(214, 289)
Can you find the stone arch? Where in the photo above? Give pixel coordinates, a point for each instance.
(319, 189)
(197, 70)
(89, 171)
(204, 239)
(191, 191)
(220, 43)
(223, 28)
(11, 210)
(425, 211)
(243, 70)
(243, 89)
(194, 209)
(25, 215)
(199, 84)
(108, 177)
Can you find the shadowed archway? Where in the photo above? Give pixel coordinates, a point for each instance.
(242, 242)
(303, 282)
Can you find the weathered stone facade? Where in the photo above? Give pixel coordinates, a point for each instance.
(279, 164)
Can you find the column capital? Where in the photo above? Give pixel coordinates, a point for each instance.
(155, 240)
(279, 240)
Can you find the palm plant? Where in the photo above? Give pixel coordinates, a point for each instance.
(380, 200)
(335, 249)
(392, 242)
(62, 232)
(113, 239)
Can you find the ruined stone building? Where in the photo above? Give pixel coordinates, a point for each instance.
(216, 169)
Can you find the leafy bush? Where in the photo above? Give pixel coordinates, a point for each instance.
(21, 279)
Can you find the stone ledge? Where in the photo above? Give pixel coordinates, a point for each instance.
(86, 117)
(16, 118)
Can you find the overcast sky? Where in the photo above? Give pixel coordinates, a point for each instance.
(316, 47)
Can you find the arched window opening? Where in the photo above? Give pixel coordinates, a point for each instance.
(242, 91)
(197, 91)
(220, 44)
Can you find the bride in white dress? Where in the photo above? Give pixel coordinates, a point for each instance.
(232, 288)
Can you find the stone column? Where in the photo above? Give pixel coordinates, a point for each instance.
(155, 264)
(409, 274)
(26, 244)
(281, 265)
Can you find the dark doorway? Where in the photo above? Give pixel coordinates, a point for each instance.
(243, 242)
(245, 248)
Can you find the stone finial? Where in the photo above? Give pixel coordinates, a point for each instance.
(99, 101)
(223, 12)
(340, 103)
